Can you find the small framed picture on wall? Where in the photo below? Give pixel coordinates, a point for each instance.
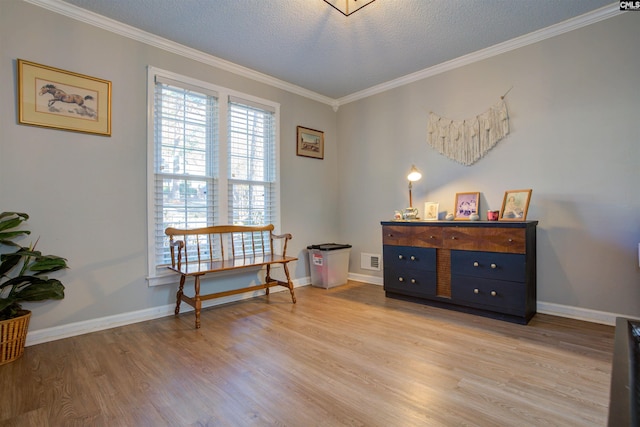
(310, 143)
(59, 99)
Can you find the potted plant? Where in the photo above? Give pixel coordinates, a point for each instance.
(23, 278)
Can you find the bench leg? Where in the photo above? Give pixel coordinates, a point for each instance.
(268, 279)
(197, 300)
(179, 294)
(289, 282)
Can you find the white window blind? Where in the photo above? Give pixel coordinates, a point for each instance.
(186, 153)
(252, 164)
(212, 161)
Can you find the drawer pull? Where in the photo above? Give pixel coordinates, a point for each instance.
(476, 291)
(413, 258)
(400, 257)
(389, 235)
(494, 293)
(453, 237)
(475, 264)
(494, 266)
(510, 240)
(413, 281)
(432, 237)
(400, 279)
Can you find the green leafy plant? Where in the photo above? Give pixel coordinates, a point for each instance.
(23, 270)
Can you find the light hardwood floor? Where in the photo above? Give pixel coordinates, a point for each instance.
(343, 356)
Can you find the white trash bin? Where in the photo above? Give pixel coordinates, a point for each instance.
(329, 264)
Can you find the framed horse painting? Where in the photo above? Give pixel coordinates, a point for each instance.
(59, 99)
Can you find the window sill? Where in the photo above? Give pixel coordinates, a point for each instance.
(163, 279)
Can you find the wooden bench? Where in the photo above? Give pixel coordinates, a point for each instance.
(199, 251)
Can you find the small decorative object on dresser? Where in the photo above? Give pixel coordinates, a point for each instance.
(410, 214)
(515, 205)
(480, 267)
(466, 205)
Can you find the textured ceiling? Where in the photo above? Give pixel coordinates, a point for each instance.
(310, 44)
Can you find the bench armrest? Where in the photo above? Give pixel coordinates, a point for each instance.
(286, 237)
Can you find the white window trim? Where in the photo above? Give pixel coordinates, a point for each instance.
(154, 276)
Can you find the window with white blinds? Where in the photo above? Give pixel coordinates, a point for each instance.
(252, 164)
(214, 160)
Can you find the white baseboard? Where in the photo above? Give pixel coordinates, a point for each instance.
(588, 315)
(79, 328)
(374, 280)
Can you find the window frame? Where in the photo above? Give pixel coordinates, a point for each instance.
(158, 274)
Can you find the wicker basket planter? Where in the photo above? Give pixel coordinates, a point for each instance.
(13, 334)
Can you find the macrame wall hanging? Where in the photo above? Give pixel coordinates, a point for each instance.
(467, 141)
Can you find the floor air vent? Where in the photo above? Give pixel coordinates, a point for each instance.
(370, 261)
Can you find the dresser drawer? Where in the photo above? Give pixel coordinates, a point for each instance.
(462, 238)
(495, 239)
(427, 237)
(396, 235)
(409, 257)
(490, 265)
(510, 240)
(505, 297)
(410, 281)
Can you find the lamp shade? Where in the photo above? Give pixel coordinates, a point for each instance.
(347, 7)
(414, 174)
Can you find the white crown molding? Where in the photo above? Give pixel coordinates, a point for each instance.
(108, 24)
(597, 15)
(133, 33)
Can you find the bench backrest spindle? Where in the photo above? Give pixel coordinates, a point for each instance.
(198, 247)
(210, 242)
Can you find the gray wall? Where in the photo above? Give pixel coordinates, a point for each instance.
(575, 140)
(87, 194)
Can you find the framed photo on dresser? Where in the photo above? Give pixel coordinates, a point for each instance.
(515, 205)
(466, 205)
(431, 211)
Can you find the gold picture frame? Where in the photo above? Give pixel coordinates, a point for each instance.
(515, 205)
(310, 143)
(466, 205)
(59, 99)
